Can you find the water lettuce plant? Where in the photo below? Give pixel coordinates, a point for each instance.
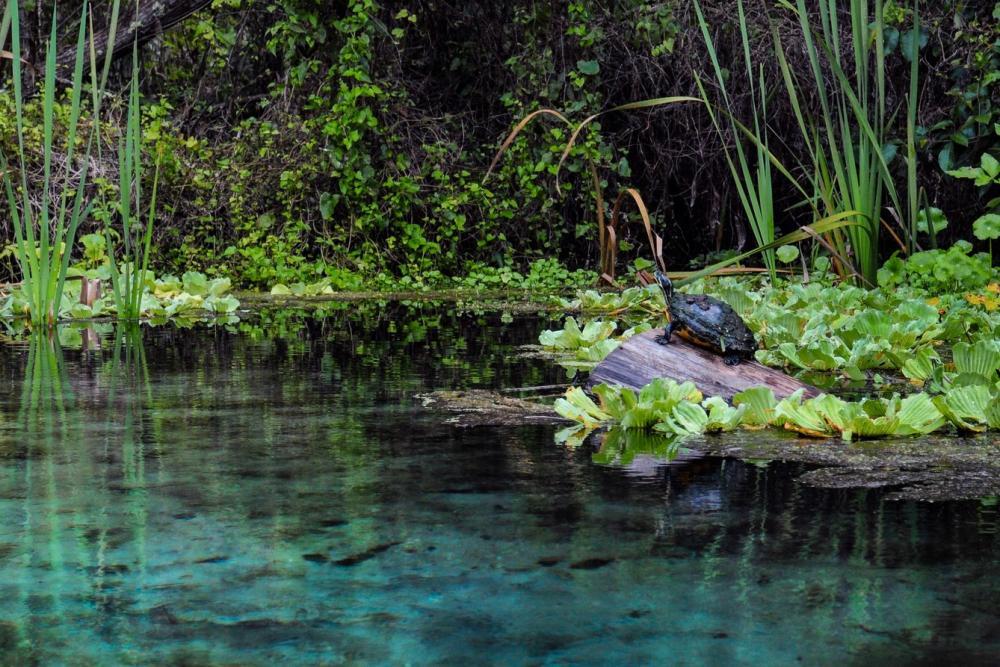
(584, 347)
(663, 405)
(679, 409)
(839, 329)
(193, 294)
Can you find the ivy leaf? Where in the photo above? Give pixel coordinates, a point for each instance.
(588, 67)
(327, 203)
(906, 43)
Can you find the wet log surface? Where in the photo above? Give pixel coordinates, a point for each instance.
(641, 359)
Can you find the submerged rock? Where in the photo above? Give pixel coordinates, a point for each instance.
(364, 555)
(591, 563)
(930, 468)
(489, 408)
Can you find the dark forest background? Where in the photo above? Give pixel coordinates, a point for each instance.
(302, 138)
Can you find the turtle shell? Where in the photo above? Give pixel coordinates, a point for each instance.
(711, 323)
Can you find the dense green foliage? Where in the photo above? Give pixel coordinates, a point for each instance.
(932, 301)
(305, 141)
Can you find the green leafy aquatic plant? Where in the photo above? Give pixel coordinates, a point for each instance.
(972, 408)
(679, 410)
(662, 405)
(758, 404)
(164, 298)
(827, 416)
(940, 270)
(582, 348)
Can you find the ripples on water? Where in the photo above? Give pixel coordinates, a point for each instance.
(271, 491)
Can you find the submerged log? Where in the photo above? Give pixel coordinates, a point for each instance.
(641, 359)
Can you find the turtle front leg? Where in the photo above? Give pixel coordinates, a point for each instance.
(731, 359)
(667, 333)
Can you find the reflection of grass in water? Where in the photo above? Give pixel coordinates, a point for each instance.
(129, 394)
(44, 397)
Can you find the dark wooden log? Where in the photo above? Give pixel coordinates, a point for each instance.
(641, 359)
(152, 18)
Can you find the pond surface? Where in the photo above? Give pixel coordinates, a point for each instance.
(272, 491)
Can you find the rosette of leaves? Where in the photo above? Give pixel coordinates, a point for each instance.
(827, 416)
(584, 348)
(633, 302)
(972, 408)
(662, 405)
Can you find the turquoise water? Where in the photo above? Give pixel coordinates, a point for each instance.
(272, 491)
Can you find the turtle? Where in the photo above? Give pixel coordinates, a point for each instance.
(707, 322)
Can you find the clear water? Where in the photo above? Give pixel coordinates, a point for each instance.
(272, 493)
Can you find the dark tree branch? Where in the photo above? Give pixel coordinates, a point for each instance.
(152, 18)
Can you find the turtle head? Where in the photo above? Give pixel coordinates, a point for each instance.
(665, 285)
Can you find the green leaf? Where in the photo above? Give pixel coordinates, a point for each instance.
(966, 407)
(759, 403)
(990, 166)
(981, 358)
(722, 416)
(195, 283)
(794, 415)
(787, 254)
(685, 419)
(944, 158)
(918, 415)
(936, 218)
(987, 226)
(327, 204)
(576, 405)
(920, 365)
(218, 286)
(909, 43)
(588, 67)
(964, 172)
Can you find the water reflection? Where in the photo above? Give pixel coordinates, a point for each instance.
(236, 495)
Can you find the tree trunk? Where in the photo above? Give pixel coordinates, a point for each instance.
(152, 18)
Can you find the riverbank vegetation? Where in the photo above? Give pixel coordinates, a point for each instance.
(302, 142)
(829, 171)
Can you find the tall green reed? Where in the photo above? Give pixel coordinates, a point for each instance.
(846, 139)
(45, 225)
(44, 232)
(129, 281)
(751, 174)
